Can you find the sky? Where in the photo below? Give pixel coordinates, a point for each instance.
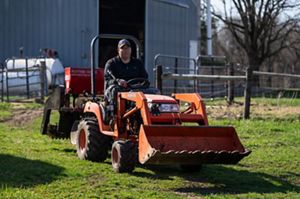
(219, 7)
(217, 4)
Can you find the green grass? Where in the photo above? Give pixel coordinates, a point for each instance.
(277, 101)
(5, 111)
(32, 105)
(35, 166)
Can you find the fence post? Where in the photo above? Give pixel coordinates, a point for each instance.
(212, 81)
(42, 78)
(7, 87)
(247, 92)
(2, 83)
(176, 72)
(158, 77)
(195, 73)
(230, 72)
(27, 78)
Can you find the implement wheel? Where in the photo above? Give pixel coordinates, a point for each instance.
(91, 143)
(123, 156)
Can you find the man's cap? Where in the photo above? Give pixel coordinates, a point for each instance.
(123, 42)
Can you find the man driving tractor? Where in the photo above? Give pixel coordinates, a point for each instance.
(149, 127)
(118, 71)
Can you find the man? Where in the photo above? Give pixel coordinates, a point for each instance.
(119, 70)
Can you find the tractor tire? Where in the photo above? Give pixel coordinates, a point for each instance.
(191, 167)
(123, 156)
(91, 143)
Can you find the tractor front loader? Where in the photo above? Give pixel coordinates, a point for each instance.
(150, 128)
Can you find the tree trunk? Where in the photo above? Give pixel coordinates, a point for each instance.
(247, 93)
(269, 80)
(254, 64)
(230, 83)
(251, 81)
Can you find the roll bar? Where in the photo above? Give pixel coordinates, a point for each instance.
(108, 36)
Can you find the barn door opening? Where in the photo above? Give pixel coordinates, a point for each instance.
(120, 17)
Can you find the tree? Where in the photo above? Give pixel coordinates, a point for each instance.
(261, 28)
(225, 44)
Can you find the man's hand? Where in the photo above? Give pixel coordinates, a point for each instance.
(122, 83)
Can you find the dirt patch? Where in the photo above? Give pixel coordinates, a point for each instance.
(225, 112)
(23, 116)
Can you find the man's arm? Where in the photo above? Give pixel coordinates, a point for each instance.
(110, 75)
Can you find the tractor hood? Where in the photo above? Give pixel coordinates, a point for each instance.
(160, 99)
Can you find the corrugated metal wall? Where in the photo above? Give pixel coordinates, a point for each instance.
(170, 25)
(69, 25)
(65, 25)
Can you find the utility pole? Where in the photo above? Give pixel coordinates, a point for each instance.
(209, 41)
(208, 28)
(199, 23)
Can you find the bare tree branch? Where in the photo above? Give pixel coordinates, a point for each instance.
(260, 27)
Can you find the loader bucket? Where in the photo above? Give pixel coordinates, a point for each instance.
(160, 144)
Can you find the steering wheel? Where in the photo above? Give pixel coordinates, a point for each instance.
(138, 83)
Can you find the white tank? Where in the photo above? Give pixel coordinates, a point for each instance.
(54, 74)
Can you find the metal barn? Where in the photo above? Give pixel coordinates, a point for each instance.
(163, 26)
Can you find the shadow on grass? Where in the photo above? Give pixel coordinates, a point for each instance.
(21, 172)
(161, 172)
(221, 180)
(65, 150)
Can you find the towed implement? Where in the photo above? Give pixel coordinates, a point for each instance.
(147, 128)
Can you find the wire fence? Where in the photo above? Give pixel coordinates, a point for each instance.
(20, 83)
(269, 84)
(180, 65)
(212, 65)
(214, 77)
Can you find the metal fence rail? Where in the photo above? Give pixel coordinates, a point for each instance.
(212, 74)
(227, 75)
(275, 74)
(192, 75)
(174, 76)
(178, 64)
(23, 80)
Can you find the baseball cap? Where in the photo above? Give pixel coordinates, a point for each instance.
(123, 42)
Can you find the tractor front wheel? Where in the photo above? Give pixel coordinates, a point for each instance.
(123, 156)
(91, 143)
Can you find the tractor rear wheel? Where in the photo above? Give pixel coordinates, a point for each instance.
(91, 143)
(123, 156)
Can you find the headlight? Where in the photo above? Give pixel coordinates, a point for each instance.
(169, 108)
(163, 108)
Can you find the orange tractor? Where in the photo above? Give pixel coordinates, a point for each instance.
(148, 128)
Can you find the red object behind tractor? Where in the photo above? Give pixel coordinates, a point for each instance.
(148, 128)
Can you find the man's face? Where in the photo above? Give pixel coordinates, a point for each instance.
(125, 52)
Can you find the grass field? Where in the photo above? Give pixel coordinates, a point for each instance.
(5, 109)
(35, 166)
